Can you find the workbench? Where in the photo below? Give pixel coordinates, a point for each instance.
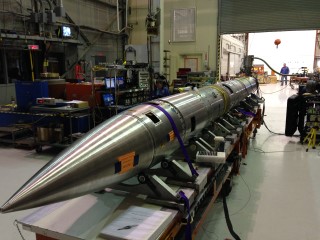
(67, 112)
(12, 134)
(87, 216)
(299, 80)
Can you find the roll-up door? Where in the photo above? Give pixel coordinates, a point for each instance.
(244, 16)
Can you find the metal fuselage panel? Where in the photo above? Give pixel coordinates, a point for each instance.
(159, 128)
(192, 109)
(250, 84)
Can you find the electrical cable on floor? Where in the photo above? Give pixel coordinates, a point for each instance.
(209, 236)
(204, 226)
(281, 134)
(255, 149)
(263, 112)
(226, 214)
(16, 224)
(272, 92)
(206, 232)
(263, 122)
(259, 150)
(264, 152)
(248, 200)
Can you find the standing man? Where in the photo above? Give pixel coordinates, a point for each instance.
(284, 70)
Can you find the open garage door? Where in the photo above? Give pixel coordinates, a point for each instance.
(244, 16)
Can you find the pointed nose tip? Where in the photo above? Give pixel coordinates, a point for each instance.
(6, 208)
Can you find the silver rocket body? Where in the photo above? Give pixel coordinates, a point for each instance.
(127, 144)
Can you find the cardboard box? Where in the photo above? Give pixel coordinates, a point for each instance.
(273, 79)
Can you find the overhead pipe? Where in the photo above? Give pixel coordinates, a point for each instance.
(126, 25)
(118, 20)
(33, 5)
(49, 3)
(118, 17)
(41, 6)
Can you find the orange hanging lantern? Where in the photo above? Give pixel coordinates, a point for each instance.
(277, 42)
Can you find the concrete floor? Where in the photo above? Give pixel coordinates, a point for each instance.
(275, 196)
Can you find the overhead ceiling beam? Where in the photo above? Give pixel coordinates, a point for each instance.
(114, 18)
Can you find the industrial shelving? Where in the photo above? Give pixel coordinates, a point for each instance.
(166, 64)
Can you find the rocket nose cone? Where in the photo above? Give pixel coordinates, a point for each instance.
(105, 156)
(13, 204)
(5, 208)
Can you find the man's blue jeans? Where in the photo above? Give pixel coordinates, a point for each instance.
(283, 78)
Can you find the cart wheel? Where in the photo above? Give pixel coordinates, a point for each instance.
(165, 164)
(38, 148)
(142, 178)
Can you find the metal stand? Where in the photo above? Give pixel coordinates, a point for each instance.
(152, 186)
(208, 149)
(172, 169)
(157, 189)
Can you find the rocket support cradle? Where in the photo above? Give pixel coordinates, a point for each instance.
(131, 143)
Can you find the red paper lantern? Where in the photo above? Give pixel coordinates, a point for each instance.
(277, 42)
